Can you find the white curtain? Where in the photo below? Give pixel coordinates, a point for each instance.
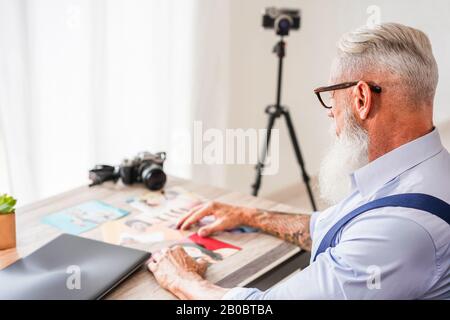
(93, 81)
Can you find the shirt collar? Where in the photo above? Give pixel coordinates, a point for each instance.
(374, 175)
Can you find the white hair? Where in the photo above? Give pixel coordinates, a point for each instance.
(402, 51)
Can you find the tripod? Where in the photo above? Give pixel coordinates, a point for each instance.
(274, 112)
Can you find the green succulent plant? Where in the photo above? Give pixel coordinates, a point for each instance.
(7, 204)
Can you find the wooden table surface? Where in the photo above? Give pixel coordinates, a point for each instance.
(260, 252)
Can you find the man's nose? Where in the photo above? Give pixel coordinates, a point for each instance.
(330, 113)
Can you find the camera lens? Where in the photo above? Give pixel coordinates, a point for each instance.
(153, 177)
(283, 26)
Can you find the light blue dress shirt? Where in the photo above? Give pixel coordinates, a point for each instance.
(386, 253)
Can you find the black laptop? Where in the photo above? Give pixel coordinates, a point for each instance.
(70, 267)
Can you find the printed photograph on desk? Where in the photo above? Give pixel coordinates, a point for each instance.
(170, 205)
(145, 229)
(160, 212)
(174, 201)
(134, 231)
(83, 217)
(210, 249)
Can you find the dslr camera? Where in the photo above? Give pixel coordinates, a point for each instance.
(145, 167)
(282, 20)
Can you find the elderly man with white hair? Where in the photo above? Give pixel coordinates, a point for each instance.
(387, 175)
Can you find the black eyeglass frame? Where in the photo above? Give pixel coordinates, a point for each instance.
(375, 88)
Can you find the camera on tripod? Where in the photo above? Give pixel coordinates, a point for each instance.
(145, 167)
(282, 20)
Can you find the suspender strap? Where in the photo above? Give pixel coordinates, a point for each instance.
(418, 201)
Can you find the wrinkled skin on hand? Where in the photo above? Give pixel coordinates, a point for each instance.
(227, 217)
(172, 264)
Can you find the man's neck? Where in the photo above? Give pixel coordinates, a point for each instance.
(385, 141)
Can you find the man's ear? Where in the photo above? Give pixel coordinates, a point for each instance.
(362, 100)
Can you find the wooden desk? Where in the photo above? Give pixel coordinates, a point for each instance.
(260, 252)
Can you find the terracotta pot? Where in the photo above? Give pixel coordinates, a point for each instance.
(7, 231)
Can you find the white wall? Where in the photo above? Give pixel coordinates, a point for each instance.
(309, 54)
(4, 182)
(232, 80)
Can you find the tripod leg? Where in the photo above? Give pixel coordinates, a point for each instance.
(299, 157)
(259, 167)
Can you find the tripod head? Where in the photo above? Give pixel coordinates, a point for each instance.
(280, 48)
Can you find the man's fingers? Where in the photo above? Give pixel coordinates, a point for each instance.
(152, 266)
(195, 217)
(187, 215)
(202, 262)
(215, 226)
(156, 256)
(176, 248)
(202, 266)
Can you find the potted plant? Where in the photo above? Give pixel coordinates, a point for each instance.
(7, 222)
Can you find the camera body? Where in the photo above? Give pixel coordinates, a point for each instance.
(282, 20)
(145, 167)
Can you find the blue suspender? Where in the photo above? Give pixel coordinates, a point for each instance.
(418, 201)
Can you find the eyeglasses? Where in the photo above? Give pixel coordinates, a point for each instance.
(325, 94)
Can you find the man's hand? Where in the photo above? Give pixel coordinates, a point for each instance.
(172, 263)
(180, 274)
(227, 217)
(293, 228)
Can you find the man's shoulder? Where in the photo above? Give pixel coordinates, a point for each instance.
(405, 230)
(398, 245)
(396, 221)
(430, 177)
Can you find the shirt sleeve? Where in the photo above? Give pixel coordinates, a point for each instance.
(239, 293)
(312, 223)
(373, 260)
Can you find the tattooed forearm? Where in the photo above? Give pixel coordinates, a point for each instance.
(293, 228)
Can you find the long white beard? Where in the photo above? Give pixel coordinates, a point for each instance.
(348, 153)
